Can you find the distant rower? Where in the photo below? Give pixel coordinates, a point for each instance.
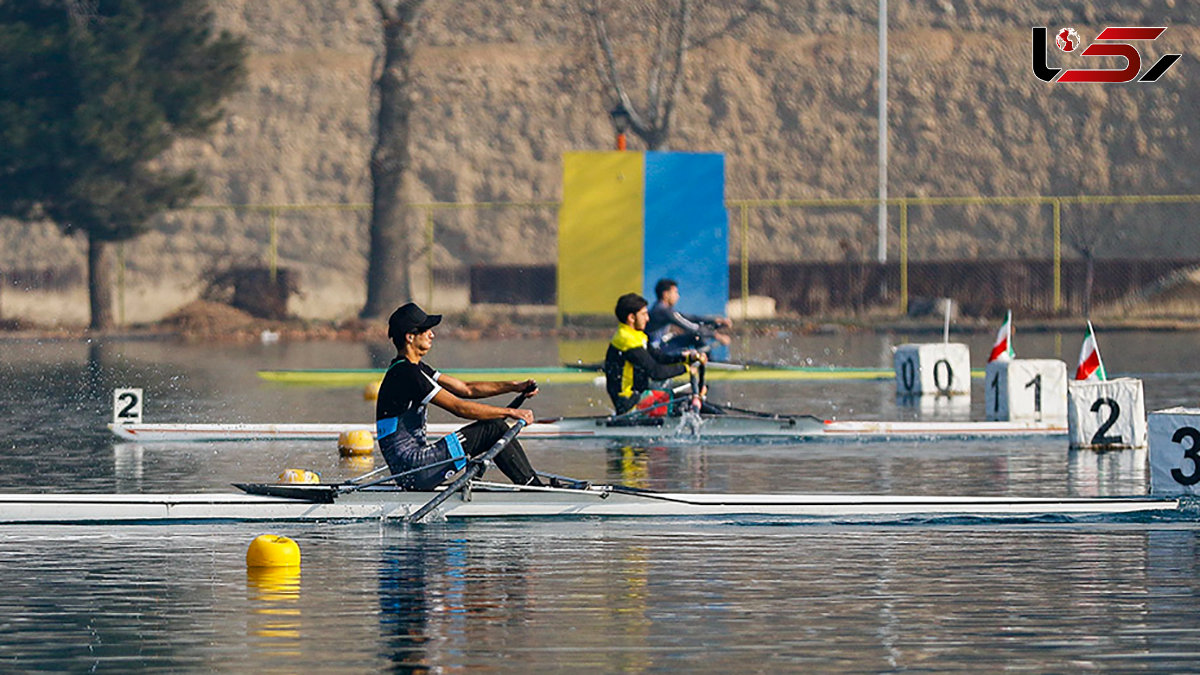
(696, 330)
(630, 365)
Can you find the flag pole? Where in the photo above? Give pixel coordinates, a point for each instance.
(946, 325)
(1096, 343)
(1011, 351)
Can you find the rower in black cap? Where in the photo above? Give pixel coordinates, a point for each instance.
(411, 384)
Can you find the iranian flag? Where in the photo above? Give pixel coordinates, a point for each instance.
(1002, 349)
(1090, 366)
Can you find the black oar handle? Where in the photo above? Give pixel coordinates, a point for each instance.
(474, 468)
(516, 402)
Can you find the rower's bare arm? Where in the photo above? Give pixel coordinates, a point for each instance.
(471, 410)
(483, 389)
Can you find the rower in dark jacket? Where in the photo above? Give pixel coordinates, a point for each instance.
(408, 388)
(630, 365)
(691, 331)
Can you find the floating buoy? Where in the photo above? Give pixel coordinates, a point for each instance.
(272, 550)
(299, 476)
(371, 391)
(357, 463)
(355, 442)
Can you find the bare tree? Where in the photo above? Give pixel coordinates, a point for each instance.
(652, 121)
(387, 264)
(1091, 230)
(671, 25)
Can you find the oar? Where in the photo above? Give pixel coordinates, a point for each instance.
(474, 468)
(697, 379)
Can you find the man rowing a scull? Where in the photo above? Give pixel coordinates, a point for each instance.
(695, 331)
(630, 365)
(411, 384)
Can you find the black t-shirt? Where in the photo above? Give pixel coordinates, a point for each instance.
(404, 395)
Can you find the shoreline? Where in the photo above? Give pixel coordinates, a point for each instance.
(476, 327)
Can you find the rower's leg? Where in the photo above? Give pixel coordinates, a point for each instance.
(478, 438)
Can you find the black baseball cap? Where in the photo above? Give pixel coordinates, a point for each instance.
(411, 319)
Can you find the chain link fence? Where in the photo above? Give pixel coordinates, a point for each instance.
(1031, 253)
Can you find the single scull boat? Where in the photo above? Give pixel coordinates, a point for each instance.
(494, 500)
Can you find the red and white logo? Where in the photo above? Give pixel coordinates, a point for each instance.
(1112, 41)
(1067, 40)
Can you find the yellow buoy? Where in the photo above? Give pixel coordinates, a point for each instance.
(371, 392)
(272, 550)
(299, 476)
(357, 463)
(355, 442)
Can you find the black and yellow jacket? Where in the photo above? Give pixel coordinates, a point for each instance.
(629, 366)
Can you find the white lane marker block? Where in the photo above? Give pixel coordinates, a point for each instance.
(1026, 390)
(1174, 451)
(1106, 415)
(942, 368)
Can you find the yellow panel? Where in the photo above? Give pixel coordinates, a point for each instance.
(599, 231)
(583, 352)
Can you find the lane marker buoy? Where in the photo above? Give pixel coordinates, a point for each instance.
(356, 442)
(272, 550)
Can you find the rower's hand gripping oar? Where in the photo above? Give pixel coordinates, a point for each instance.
(474, 468)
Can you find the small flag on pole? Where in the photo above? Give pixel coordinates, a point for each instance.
(1090, 365)
(1002, 349)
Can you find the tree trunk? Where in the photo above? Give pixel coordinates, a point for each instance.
(387, 263)
(1089, 279)
(100, 284)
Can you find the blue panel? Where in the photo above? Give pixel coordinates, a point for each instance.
(686, 229)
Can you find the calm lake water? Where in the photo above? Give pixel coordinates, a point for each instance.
(700, 595)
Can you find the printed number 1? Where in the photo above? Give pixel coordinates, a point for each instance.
(1036, 383)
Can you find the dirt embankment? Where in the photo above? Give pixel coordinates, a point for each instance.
(788, 95)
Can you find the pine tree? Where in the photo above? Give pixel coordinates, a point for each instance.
(92, 93)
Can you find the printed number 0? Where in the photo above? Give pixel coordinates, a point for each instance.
(937, 380)
(1114, 411)
(130, 400)
(1192, 453)
(908, 375)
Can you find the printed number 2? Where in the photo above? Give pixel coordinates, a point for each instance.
(1114, 411)
(1192, 453)
(127, 406)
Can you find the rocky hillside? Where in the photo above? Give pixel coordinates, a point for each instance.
(788, 94)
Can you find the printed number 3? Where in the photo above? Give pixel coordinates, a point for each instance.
(1192, 453)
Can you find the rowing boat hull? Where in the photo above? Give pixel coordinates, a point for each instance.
(497, 501)
(729, 428)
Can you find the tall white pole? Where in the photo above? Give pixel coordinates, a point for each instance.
(883, 131)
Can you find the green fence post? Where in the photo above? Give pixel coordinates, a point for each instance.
(1057, 255)
(903, 257)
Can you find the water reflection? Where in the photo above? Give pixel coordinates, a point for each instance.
(937, 406)
(128, 466)
(275, 616)
(658, 466)
(440, 596)
(1096, 473)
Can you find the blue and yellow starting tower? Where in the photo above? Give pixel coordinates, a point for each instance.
(629, 219)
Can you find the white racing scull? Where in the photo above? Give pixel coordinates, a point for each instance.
(713, 428)
(494, 500)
